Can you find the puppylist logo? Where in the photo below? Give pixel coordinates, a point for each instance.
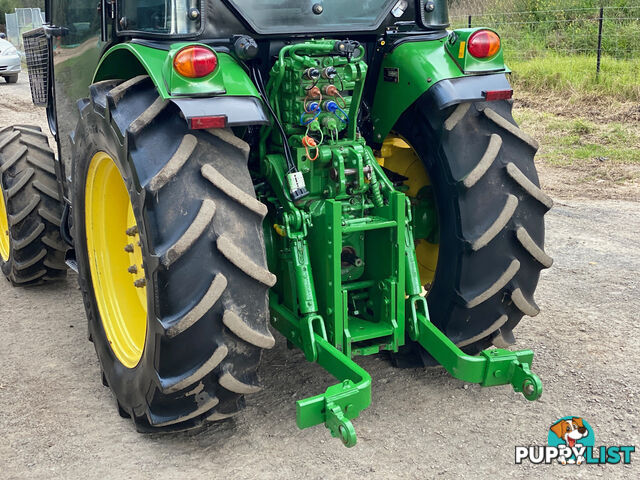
(571, 441)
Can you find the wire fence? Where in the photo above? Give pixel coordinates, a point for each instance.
(600, 32)
(23, 20)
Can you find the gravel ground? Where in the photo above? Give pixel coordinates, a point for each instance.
(58, 421)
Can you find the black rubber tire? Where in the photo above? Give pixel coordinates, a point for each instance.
(12, 79)
(30, 192)
(491, 218)
(203, 248)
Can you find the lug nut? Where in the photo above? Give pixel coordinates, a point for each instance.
(132, 269)
(128, 248)
(140, 283)
(133, 231)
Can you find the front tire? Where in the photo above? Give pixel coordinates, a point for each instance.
(201, 250)
(491, 218)
(31, 250)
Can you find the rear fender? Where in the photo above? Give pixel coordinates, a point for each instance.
(442, 67)
(227, 91)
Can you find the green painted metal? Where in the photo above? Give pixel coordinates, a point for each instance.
(490, 368)
(127, 60)
(348, 281)
(417, 66)
(339, 254)
(456, 46)
(340, 403)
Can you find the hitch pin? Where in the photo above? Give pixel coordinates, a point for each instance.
(353, 171)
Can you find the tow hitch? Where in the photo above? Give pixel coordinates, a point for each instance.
(340, 239)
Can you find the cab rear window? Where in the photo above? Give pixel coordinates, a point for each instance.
(167, 17)
(306, 16)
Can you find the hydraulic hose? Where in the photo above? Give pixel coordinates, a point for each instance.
(378, 201)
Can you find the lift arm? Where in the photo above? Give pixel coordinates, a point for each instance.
(340, 403)
(491, 367)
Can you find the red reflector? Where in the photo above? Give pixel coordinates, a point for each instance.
(197, 123)
(483, 44)
(195, 61)
(498, 95)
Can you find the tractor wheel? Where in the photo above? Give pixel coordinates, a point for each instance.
(478, 167)
(31, 250)
(171, 258)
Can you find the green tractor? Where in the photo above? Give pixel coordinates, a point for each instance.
(346, 172)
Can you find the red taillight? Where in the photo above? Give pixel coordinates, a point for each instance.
(217, 121)
(195, 61)
(483, 44)
(491, 95)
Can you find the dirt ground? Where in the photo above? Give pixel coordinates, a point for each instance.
(58, 421)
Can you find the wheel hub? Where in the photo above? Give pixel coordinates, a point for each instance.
(399, 157)
(116, 260)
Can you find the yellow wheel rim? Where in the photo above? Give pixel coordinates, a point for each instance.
(115, 259)
(399, 157)
(4, 230)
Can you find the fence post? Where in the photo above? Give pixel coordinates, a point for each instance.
(600, 20)
(469, 24)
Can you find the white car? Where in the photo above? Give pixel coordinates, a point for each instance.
(9, 62)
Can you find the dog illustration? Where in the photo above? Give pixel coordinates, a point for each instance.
(570, 431)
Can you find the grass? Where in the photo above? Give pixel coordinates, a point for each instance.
(551, 45)
(579, 141)
(581, 121)
(575, 76)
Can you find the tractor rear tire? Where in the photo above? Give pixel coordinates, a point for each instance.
(200, 233)
(491, 219)
(31, 208)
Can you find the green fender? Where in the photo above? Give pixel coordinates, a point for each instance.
(414, 66)
(227, 91)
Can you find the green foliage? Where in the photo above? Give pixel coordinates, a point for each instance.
(581, 127)
(531, 27)
(579, 141)
(574, 75)
(552, 44)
